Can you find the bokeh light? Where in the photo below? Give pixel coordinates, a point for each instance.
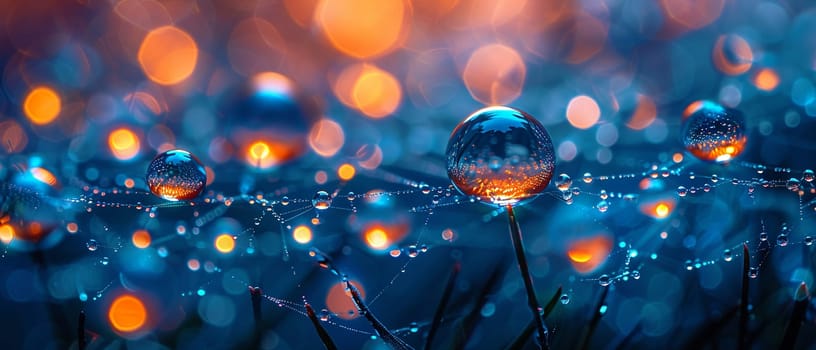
(42, 105)
(224, 243)
(495, 74)
(127, 314)
(363, 28)
(124, 144)
(168, 55)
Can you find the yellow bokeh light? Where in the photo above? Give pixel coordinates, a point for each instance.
(346, 172)
(662, 210)
(168, 55)
(127, 314)
(376, 238)
(376, 93)
(583, 112)
(363, 28)
(224, 243)
(123, 143)
(42, 105)
(6, 233)
(302, 234)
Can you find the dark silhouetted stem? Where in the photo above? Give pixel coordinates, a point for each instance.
(443, 303)
(255, 294)
(81, 331)
(743, 318)
(324, 336)
(532, 300)
(382, 331)
(521, 339)
(800, 303)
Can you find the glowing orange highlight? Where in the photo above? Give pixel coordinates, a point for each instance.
(302, 234)
(127, 314)
(376, 93)
(6, 233)
(677, 157)
(495, 74)
(44, 176)
(72, 227)
(326, 137)
(224, 243)
(168, 55)
(346, 172)
(193, 264)
(268, 153)
(644, 114)
(42, 105)
(339, 302)
(363, 28)
(732, 55)
(766, 79)
(588, 254)
(583, 112)
(124, 144)
(141, 239)
(129, 183)
(692, 14)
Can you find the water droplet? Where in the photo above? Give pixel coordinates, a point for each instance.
(576, 191)
(763, 236)
(808, 240)
(712, 132)
(715, 178)
(782, 240)
(412, 251)
(92, 245)
(105, 260)
(636, 274)
(424, 188)
(587, 178)
(808, 175)
(602, 206)
(689, 265)
(285, 200)
(727, 255)
(350, 196)
(604, 195)
(604, 280)
(706, 188)
(565, 299)
(325, 315)
(414, 327)
(511, 135)
(682, 191)
(792, 184)
(176, 175)
(664, 172)
(753, 272)
(563, 182)
(322, 200)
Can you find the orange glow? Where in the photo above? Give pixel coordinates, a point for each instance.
(346, 172)
(193, 264)
(302, 234)
(658, 209)
(44, 176)
(583, 112)
(692, 14)
(42, 105)
(123, 143)
(766, 79)
(127, 314)
(129, 183)
(326, 137)
(6, 233)
(588, 254)
(12, 136)
(494, 74)
(72, 227)
(301, 11)
(141, 239)
(376, 238)
(363, 28)
(267, 153)
(321, 177)
(376, 93)
(732, 55)
(339, 302)
(588, 37)
(677, 157)
(644, 114)
(224, 243)
(168, 55)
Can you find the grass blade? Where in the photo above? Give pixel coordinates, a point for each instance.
(743, 303)
(468, 323)
(596, 318)
(800, 304)
(521, 339)
(81, 331)
(324, 336)
(382, 331)
(443, 303)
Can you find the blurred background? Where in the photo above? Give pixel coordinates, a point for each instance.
(280, 99)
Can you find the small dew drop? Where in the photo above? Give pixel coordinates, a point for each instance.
(682, 191)
(604, 280)
(782, 240)
(92, 245)
(322, 200)
(727, 255)
(563, 182)
(285, 200)
(753, 272)
(565, 299)
(587, 178)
